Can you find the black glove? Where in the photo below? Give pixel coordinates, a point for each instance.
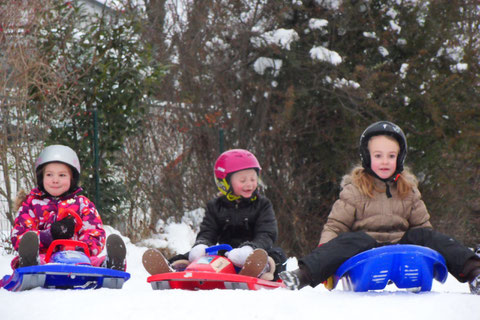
(63, 229)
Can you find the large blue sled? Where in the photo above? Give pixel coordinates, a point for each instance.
(65, 269)
(409, 267)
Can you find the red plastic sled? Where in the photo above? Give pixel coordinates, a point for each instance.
(210, 272)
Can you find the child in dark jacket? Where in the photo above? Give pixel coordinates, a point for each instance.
(240, 217)
(56, 210)
(380, 205)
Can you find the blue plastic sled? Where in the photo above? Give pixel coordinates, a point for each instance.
(68, 269)
(409, 267)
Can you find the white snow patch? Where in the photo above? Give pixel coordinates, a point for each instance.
(459, 67)
(371, 35)
(403, 70)
(323, 54)
(383, 51)
(455, 53)
(280, 37)
(340, 83)
(329, 4)
(317, 23)
(263, 63)
(395, 27)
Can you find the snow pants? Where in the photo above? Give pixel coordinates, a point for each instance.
(322, 262)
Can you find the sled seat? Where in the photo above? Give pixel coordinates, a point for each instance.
(409, 267)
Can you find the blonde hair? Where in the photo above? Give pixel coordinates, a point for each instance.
(406, 182)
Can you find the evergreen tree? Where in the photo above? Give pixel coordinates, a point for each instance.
(106, 70)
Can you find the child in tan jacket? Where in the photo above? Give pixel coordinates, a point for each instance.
(379, 205)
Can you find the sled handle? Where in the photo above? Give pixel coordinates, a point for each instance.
(213, 250)
(67, 245)
(65, 212)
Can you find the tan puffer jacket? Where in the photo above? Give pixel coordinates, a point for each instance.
(385, 219)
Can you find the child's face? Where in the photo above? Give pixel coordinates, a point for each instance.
(383, 155)
(244, 182)
(57, 178)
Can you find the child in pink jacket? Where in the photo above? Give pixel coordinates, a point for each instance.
(56, 210)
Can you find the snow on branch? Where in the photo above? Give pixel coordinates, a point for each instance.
(323, 54)
(280, 37)
(263, 63)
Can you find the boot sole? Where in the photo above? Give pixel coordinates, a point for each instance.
(28, 249)
(255, 263)
(116, 252)
(154, 262)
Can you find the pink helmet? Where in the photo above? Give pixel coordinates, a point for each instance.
(235, 160)
(232, 161)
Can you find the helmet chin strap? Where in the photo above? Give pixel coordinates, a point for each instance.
(231, 196)
(393, 178)
(227, 190)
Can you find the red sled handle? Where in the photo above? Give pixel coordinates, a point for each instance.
(67, 245)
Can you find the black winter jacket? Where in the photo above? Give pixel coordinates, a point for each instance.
(238, 224)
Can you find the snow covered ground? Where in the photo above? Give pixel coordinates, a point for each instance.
(137, 300)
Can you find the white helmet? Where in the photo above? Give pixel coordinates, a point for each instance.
(58, 153)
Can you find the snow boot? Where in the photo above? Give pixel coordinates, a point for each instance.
(116, 252)
(28, 250)
(155, 263)
(295, 280)
(255, 263)
(471, 270)
(474, 284)
(269, 270)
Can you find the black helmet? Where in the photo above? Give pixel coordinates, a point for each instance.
(383, 128)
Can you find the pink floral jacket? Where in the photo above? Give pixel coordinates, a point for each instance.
(40, 210)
